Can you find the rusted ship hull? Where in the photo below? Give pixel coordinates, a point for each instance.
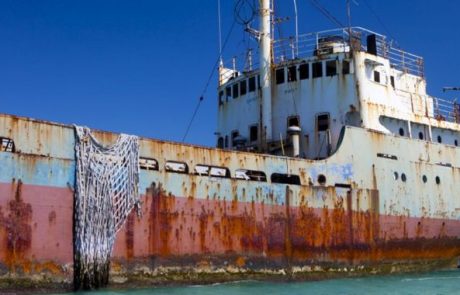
(360, 219)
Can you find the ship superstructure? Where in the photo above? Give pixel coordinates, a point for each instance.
(332, 159)
(323, 82)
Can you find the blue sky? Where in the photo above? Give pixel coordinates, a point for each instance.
(139, 67)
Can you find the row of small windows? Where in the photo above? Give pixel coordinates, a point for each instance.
(222, 172)
(239, 89)
(294, 73)
(421, 136)
(403, 177)
(303, 71)
(378, 79)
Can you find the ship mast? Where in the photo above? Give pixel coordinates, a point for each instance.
(265, 68)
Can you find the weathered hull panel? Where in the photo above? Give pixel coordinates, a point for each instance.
(362, 216)
(189, 232)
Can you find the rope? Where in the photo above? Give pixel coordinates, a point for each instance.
(106, 191)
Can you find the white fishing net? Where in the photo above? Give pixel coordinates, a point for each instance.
(106, 191)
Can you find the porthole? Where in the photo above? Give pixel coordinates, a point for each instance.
(321, 179)
(456, 142)
(438, 180)
(424, 178)
(396, 175)
(439, 139)
(420, 135)
(403, 177)
(401, 131)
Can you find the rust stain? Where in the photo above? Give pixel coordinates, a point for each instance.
(18, 231)
(129, 235)
(52, 217)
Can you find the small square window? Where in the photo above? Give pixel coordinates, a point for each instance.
(235, 90)
(252, 84)
(377, 76)
(345, 67)
(304, 71)
(243, 87)
(331, 68)
(292, 74)
(317, 69)
(322, 122)
(392, 81)
(253, 133)
(228, 93)
(280, 76)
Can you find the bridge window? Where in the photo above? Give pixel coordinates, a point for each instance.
(377, 76)
(253, 136)
(345, 67)
(148, 164)
(322, 122)
(176, 167)
(228, 93)
(235, 134)
(220, 142)
(226, 141)
(285, 178)
(253, 175)
(252, 84)
(304, 72)
(331, 68)
(7, 145)
(280, 76)
(292, 74)
(317, 69)
(401, 131)
(420, 135)
(243, 87)
(439, 139)
(235, 90)
(392, 81)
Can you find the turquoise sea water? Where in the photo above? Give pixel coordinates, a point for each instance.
(443, 282)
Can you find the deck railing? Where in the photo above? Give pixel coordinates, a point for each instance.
(311, 44)
(446, 110)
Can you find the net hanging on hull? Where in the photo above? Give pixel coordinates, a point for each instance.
(106, 191)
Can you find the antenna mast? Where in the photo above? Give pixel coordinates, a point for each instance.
(265, 68)
(296, 30)
(220, 33)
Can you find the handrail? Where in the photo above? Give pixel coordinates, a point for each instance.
(308, 44)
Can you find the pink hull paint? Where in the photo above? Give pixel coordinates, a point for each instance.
(173, 227)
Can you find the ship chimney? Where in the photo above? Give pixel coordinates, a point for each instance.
(294, 132)
(265, 68)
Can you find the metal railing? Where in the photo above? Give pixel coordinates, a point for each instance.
(446, 110)
(312, 44)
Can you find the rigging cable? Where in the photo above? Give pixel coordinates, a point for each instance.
(326, 13)
(201, 98)
(379, 20)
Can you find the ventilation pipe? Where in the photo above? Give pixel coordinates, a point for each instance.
(294, 133)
